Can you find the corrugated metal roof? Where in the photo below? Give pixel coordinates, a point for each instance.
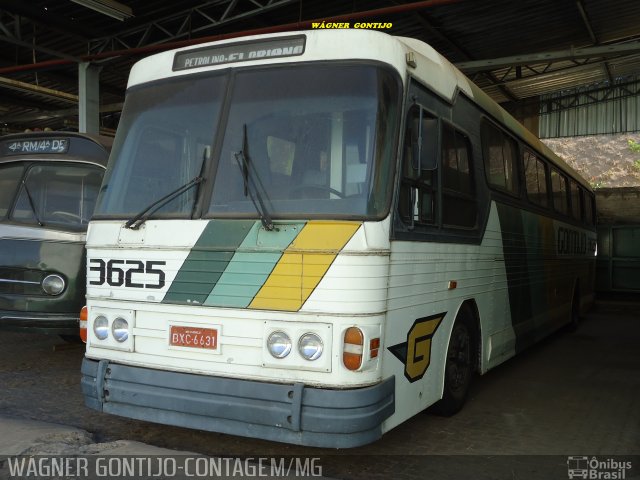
(462, 31)
(598, 109)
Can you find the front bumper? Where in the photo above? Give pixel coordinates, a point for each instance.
(52, 323)
(291, 413)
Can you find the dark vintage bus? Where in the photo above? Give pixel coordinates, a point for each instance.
(49, 182)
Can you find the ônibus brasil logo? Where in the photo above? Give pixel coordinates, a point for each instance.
(592, 468)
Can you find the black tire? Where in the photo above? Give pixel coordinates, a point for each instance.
(459, 366)
(574, 322)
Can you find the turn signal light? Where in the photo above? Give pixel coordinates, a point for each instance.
(84, 314)
(352, 348)
(374, 347)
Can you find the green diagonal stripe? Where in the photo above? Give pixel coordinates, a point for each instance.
(207, 260)
(251, 265)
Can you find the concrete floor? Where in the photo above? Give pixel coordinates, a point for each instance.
(574, 394)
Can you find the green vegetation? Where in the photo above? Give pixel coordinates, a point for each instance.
(635, 147)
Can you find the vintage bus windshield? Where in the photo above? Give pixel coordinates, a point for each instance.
(49, 194)
(10, 176)
(310, 141)
(166, 133)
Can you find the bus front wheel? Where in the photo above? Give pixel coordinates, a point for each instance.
(459, 366)
(574, 320)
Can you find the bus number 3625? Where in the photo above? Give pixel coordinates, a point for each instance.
(120, 272)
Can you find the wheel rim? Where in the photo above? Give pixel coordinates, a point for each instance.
(459, 359)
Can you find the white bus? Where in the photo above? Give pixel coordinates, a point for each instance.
(310, 237)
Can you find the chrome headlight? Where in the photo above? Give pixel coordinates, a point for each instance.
(53, 284)
(120, 329)
(101, 327)
(279, 344)
(310, 346)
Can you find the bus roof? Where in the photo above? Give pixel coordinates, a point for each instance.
(55, 146)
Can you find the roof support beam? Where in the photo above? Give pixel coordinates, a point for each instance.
(587, 23)
(46, 19)
(63, 113)
(550, 57)
(10, 100)
(580, 97)
(11, 32)
(147, 49)
(35, 46)
(165, 27)
(28, 87)
(592, 34)
(426, 23)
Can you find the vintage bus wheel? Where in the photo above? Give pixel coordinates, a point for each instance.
(458, 368)
(575, 311)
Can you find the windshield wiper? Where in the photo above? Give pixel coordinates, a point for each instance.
(249, 173)
(32, 204)
(136, 222)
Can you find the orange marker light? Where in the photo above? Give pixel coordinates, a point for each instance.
(84, 314)
(352, 348)
(374, 347)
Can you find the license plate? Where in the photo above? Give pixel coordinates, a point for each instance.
(193, 337)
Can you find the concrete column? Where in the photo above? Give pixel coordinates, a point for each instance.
(89, 98)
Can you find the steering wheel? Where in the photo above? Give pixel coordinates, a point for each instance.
(313, 186)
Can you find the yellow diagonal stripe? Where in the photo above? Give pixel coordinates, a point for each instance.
(303, 264)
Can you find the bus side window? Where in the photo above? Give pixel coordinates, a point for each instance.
(576, 200)
(418, 188)
(589, 208)
(535, 174)
(459, 206)
(499, 159)
(559, 192)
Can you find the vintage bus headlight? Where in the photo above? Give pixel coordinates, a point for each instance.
(112, 329)
(279, 344)
(310, 346)
(101, 327)
(120, 329)
(53, 284)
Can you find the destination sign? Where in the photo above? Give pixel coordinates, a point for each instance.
(39, 145)
(239, 52)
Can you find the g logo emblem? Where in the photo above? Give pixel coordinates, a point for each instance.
(415, 353)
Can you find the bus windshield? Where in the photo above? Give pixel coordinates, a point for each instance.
(10, 176)
(307, 140)
(319, 141)
(165, 135)
(50, 194)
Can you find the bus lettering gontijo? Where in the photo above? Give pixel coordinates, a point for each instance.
(49, 182)
(310, 237)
